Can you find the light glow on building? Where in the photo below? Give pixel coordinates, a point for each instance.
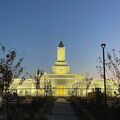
(61, 82)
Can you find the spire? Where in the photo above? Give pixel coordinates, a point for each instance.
(61, 44)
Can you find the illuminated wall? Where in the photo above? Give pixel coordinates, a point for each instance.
(61, 80)
(61, 54)
(61, 66)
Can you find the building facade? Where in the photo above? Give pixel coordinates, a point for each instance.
(61, 82)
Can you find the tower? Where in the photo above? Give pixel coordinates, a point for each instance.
(61, 52)
(61, 66)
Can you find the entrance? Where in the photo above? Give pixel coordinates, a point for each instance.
(60, 91)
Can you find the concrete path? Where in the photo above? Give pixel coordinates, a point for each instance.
(62, 110)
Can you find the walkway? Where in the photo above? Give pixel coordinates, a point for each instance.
(62, 110)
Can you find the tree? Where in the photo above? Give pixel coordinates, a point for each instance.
(112, 63)
(48, 88)
(37, 77)
(10, 68)
(88, 82)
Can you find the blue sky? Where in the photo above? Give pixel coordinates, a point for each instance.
(35, 27)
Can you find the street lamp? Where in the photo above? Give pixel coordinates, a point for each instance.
(104, 74)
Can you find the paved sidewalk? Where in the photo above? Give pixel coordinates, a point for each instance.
(62, 110)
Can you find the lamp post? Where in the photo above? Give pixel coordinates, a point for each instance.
(104, 74)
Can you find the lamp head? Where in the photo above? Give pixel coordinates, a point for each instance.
(103, 45)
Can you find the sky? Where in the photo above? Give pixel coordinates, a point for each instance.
(34, 29)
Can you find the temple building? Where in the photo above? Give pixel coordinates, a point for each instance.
(61, 77)
(61, 81)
